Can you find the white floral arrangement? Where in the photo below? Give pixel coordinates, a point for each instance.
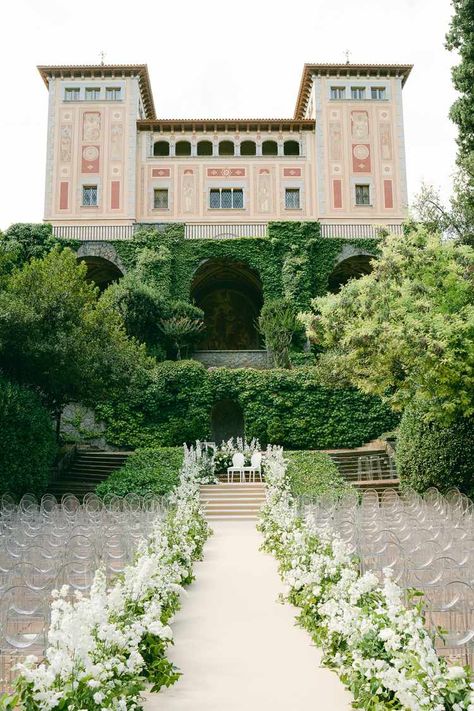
(226, 450)
(104, 649)
(375, 642)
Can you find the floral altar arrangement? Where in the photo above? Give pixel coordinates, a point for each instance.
(104, 649)
(376, 643)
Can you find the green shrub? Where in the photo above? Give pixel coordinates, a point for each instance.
(314, 473)
(431, 454)
(27, 442)
(147, 471)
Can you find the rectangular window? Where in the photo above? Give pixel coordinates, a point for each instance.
(338, 92)
(362, 194)
(92, 94)
(226, 198)
(89, 195)
(113, 93)
(358, 93)
(292, 198)
(71, 94)
(160, 198)
(378, 93)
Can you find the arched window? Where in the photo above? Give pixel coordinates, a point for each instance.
(204, 148)
(226, 148)
(248, 148)
(291, 148)
(161, 148)
(183, 148)
(269, 148)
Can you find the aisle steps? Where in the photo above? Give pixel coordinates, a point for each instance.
(232, 501)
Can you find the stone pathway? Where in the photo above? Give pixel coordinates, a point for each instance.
(237, 647)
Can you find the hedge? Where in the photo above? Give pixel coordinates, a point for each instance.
(432, 454)
(314, 474)
(147, 471)
(27, 442)
(287, 407)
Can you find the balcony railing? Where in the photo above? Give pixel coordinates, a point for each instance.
(213, 230)
(358, 231)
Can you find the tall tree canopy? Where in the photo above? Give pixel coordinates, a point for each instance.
(461, 38)
(406, 330)
(57, 337)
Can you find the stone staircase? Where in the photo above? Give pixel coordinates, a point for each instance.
(87, 469)
(236, 502)
(366, 468)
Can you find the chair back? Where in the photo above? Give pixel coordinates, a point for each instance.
(256, 459)
(238, 459)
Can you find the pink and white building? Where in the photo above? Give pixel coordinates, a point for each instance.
(112, 163)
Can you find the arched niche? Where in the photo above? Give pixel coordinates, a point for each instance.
(226, 148)
(269, 148)
(183, 148)
(291, 148)
(230, 294)
(104, 266)
(227, 420)
(351, 263)
(248, 148)
(161, 148)
(204, 148)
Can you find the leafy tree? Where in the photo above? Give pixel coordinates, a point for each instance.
(460, 37)
(181, 331)
(278, 322)
(55, 336)
(23, 241)
(27, 446)
(141, 308)
(406, 330)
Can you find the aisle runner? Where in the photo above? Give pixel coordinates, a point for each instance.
(237, 647)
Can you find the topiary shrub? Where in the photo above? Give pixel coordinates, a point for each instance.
(27, 442)
(432, 454)
(313, 474)
(147, 471)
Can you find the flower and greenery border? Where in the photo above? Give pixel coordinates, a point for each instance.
(106, 648)
(378, 646)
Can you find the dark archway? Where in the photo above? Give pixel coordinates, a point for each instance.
(226, 148)
(204, 148)
(161, 148)
(101, 271)
(182, 148)
(104, 266)
(352, 267)
(227, 420)
(248, 148)
(269, 148)
(230, 294)
(291, 148)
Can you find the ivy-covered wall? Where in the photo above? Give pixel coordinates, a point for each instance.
(292, 261)
(288, 407)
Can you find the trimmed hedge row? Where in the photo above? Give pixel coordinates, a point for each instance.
(147, 471)
(287, 407)
(432, 454)
(27, 442)
(313, 474)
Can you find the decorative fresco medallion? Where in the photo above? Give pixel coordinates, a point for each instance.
(361, 152)
(90, 153)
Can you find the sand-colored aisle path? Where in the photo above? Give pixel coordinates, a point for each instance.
(237, 647)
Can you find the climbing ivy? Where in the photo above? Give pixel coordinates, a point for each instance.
(287, 407)
(293, 261)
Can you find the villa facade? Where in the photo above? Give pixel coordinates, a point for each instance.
(113, 164)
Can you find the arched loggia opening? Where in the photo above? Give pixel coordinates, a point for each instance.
(227, 420)
(351, 264)
(101, 271)
(230, 294)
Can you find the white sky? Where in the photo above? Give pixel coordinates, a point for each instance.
(219, 59)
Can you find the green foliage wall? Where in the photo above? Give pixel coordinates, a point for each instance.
(293, 261)
(287, 407)
(27, 443)
(314, 474)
